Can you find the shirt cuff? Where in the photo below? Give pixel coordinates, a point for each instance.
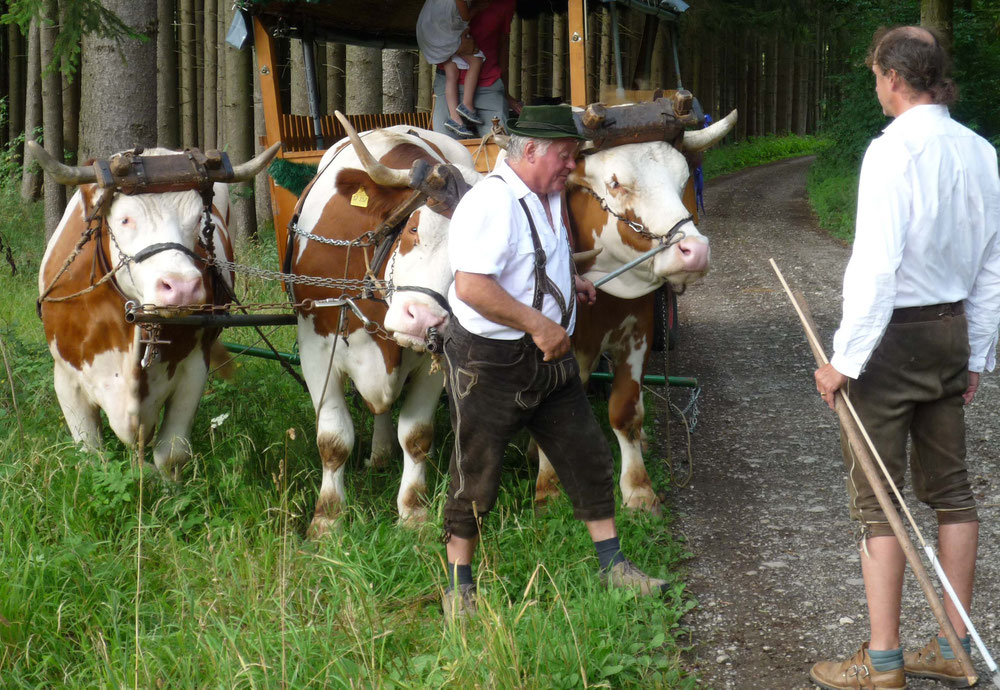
(849, 369)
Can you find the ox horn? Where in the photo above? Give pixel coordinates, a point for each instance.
(700, 139)
(380, 173)
(60, 172)
(249, 170)
(580, 257)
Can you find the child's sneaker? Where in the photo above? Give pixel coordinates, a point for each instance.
(470, 115)
(460, 130)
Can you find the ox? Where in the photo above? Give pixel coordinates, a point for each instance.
(144, 248)
(357, 188)
(621, 201)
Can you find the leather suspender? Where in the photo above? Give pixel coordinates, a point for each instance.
(543, 283)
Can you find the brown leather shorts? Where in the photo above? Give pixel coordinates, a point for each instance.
(912, 389)
(497, 387)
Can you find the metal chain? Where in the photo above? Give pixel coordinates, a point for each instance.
(366, 240)
(297, 279)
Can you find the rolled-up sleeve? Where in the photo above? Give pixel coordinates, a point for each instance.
(479, 238)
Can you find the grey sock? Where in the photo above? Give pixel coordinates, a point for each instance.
(460, 573)
(946, 651)
(886, 659)
(609, 552)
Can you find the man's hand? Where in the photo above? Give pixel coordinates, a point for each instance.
(550, 338)
(586, 293)
(970, 392)
(828, 382)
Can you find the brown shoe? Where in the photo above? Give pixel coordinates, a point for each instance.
(625, 575)
(928, 663)
(856, 673)
(459, 603)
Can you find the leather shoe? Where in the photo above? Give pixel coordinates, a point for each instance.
(856, 673)
(459, 602)
(928, 663)
(625, 575)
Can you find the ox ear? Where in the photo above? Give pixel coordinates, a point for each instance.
(701, 139)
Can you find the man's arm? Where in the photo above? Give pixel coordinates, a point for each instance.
(484, 294)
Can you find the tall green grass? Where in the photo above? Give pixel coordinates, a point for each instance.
(728, 158)
(116, 578)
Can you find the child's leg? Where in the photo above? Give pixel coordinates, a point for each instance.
(451, 88)
(471, 79)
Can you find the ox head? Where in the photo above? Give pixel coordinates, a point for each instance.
(418, 271)
(154, 235)
(624, 199)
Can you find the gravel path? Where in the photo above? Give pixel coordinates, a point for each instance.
(775, 570)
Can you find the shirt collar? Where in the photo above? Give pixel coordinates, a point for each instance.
(506, 172)
(918, 113)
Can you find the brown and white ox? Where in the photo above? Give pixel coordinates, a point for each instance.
(644, 184)
(97, 353)
(343, 203)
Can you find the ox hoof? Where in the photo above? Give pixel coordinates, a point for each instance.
(379, 461)
(645, 504)
(321, 526)
(414, 518)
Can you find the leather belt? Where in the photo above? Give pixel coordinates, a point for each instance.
(931, 312)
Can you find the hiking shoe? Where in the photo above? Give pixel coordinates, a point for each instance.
(928, 663)
(625, 575)
(472, 115)
(460, 603)
(460, 130)
(856, 673)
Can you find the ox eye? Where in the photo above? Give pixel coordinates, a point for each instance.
(614, 184)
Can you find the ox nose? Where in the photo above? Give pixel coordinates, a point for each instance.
(179, 291)
(694, 254)
(412, 318)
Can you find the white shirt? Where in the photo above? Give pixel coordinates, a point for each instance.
(489, 234)
(928, 216)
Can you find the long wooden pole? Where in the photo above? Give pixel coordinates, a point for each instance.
(853, 429)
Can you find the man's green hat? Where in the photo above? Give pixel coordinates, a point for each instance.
(545, 122)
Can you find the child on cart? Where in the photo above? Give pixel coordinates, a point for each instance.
(444, 39)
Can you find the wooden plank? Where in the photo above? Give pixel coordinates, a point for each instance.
(577, 54)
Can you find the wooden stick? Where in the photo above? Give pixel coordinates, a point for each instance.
(856, 436)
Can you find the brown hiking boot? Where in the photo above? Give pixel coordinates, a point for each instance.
(625, 575)
(928, 663)
(459, 603)
(856, 673)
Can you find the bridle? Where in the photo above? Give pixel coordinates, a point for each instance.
(637, 227)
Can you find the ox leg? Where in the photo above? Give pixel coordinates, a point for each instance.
(173, 441)
(626, 412)
(383, 441)
(82, 416)
(334, 428)
(416, 435)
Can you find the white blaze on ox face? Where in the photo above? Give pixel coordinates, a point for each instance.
(169, 277)
(643, 183)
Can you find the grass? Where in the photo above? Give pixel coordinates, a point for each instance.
(115, 578)
(753, 151)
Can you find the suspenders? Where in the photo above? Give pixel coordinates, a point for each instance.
(543, 284)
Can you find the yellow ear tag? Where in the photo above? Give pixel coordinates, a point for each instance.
(360, 198)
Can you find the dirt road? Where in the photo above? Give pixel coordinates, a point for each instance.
(775, 569)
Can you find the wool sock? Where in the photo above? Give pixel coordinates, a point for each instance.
(609, 552)
(886, 659)
(946, 651)
(461, 573)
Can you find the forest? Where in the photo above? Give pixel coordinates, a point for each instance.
(79, 74)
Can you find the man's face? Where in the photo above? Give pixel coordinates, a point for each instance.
(554, 166)
(883, 90)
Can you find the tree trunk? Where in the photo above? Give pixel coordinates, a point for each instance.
(937, 15)
(514, 60)
(543, 78)
(167, 111)
(297, 68)
(335, 72)
(71, 117)
(529, 60)
(593, 55)
(188, 79)
(364, 80)
(559, 32)
(783, 99)
(211, 78)
(117, 72)
(224, 15)
(604, 70)
(239, 123)
(15, 85)
(397, 81)
(425, 85)
(31, 178)
(199, 71)
(743, 100)
(52, 110)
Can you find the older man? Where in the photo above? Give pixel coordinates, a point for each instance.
(921, 305)
(507, 350)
